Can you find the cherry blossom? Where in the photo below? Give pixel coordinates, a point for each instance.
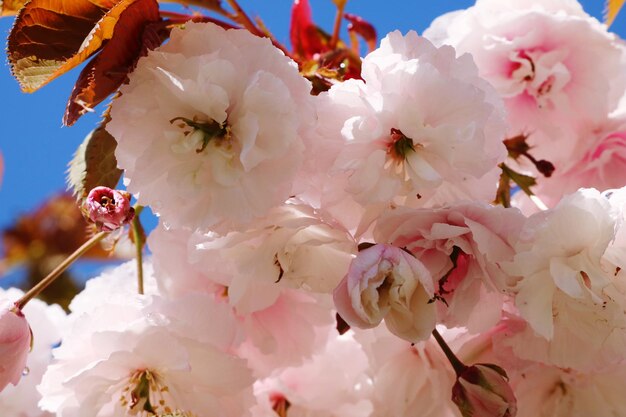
(462, 247)
(122, 358)
(421, 123)
(537, 54)
(109, 209)
(211, 126)
(310, 390)
(15, 340)
(564, 288)
(385, 282)
(276, 334)
(46, 322)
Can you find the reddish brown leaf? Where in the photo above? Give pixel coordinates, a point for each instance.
(306, 39)
(128, 40)
(46, 34)
(362, 28)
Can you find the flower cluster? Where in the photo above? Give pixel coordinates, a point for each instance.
(292, 225)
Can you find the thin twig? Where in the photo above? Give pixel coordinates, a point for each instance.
(338, 18)
(52, 276)
(241, 17)
(456, 363)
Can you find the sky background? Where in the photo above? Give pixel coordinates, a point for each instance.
(36, 148)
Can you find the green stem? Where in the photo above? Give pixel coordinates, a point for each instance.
(136, 225)
(456, 363)
(52, 276)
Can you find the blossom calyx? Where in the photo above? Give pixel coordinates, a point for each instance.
(15, 343)
(482, 390)
(109, 209)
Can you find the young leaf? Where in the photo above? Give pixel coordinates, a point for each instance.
(128, 40)
(46, 34)
(612, 9)
(306, 39)
(93, 164)
(363, 28)
(523, 181)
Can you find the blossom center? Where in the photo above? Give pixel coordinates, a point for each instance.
(399, 146)
(541, 75)
(198, 134)
(145, 395)
(280, 404)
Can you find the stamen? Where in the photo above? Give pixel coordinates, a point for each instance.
(211, 130)
(400, 145)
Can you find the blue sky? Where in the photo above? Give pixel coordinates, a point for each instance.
(36, 148)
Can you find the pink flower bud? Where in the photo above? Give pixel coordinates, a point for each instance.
(15, 339)
(482, 390)
(109, 209)
(385, 282)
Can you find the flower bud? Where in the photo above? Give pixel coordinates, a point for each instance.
(482, 390)
(15, 341)
(109, 209)
(385, 282)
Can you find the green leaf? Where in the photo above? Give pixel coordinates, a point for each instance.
(94, 164)
(523, 181)
(503, 194)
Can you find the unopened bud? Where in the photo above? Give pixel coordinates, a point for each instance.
(545, 167)
(482, 390)
(109, 209)
(15, 343)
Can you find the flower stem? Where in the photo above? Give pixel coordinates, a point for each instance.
(206, 4)
(243, 19)
(52, 276)
(338, 18)
(456, 363)
(138, 235)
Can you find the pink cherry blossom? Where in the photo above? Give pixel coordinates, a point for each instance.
(278, 331)
(15, 340)
(385, 282)
(407, 380)
(132, 356)
(461, 246)
(47, 323)
(537, 54)
(421, 123)
(565, 290)
(600, 162)
(294, 246)
(311, 390)
(554, 392)
(211, 126)
(109, 209)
